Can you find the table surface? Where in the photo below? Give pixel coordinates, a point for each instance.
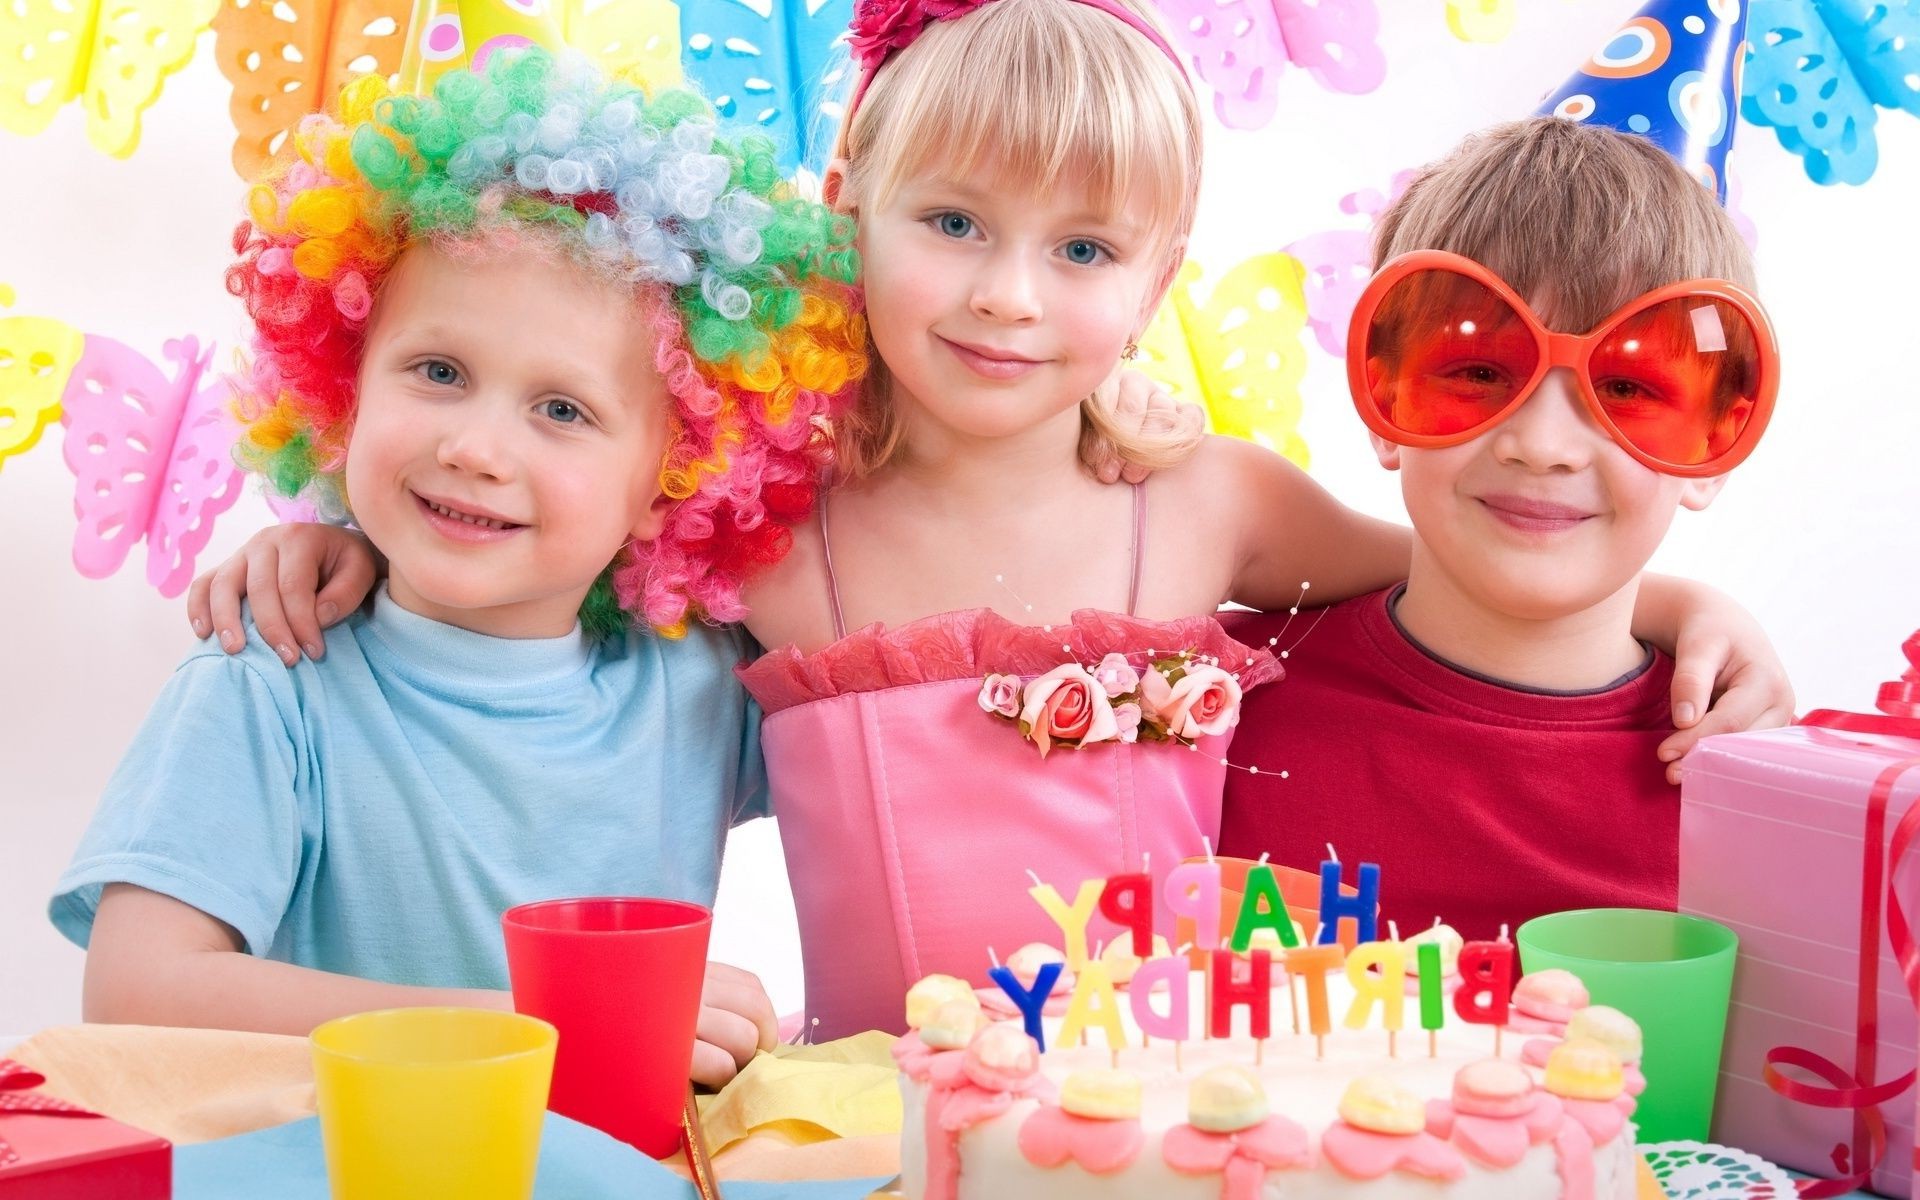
(9, 1041)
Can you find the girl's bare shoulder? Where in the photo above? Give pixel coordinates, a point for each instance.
(1220, 473)
(787, 602)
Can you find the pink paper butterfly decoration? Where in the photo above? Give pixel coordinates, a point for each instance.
(1240, 48)
(1339, 262)
(151, 456)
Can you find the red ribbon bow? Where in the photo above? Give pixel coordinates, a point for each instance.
(15, 1080)
(1899, 702)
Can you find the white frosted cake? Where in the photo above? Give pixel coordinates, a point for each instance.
(989, 1117)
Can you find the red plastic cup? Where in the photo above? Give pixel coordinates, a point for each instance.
(620, 979)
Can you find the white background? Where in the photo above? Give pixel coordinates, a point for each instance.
(1816, 533)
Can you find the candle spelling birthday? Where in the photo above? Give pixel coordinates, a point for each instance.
(1240, 974)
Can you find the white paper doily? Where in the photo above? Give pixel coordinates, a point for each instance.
(1703, 1171)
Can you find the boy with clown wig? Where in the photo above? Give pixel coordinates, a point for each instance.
(559, 348)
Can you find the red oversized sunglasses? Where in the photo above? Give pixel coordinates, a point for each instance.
(1683, 378)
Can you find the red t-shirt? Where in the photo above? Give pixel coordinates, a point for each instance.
(1482, 802)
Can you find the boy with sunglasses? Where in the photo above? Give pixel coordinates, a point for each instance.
(1560, 351)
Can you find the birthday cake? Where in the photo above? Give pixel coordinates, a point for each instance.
(1280, 1069)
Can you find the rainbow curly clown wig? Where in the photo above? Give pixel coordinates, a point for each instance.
(748, 285)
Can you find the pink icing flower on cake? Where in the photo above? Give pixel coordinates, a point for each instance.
(1587, 1077)
(913, 1056)
(1206, 701)
(1612, 1029)
(1000, 1065)
(1230, 1131)
(1544, 1001)
(1096, 1125)
(1067, 705)
(1495, 1114)
(1000, 695)
(1383, 1127)
(943, 1016)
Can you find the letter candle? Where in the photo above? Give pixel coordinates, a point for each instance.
(1193, 891)
(1094, 1003)
(1363, 907)
(1312, 963)
(1432, 995)
(1175, 1024)
(1486, 985)
(1030, 1001)
(1127, 901)
(1072, 920)
(1262, 908)
(1387, 987)
(1230, 992)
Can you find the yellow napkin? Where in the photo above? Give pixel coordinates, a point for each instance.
(186, 1085)
(801, 1094)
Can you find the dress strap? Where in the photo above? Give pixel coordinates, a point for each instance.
(1139, 550)
(833, 582)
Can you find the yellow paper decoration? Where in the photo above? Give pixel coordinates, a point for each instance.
(1236, 349)
(1481, 20)
(112, 55)
(36, 357)
(448, 35)
(841, 1089)
(637, 40)
(287, 58)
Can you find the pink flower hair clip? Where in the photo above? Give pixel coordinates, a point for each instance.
(880, 27)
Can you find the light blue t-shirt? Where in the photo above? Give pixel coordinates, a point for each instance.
(375, 812)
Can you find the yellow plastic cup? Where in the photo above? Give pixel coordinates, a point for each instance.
(421, 1102)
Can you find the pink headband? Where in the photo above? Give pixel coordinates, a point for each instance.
(880, 27)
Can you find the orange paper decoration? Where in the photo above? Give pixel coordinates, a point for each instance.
(287, 58)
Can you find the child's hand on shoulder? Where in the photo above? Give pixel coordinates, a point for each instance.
(1723, 658)
(736, 1022)
(1137, 404)
(301, 579)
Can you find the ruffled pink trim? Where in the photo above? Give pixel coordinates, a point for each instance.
(968, 645)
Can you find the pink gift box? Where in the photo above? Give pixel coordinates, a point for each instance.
(1773, 843)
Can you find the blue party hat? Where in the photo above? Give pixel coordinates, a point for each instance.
(1671, 75)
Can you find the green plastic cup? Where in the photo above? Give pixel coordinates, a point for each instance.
(1671, 973)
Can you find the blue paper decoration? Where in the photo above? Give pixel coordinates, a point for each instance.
(780, 64)
(1818, 70)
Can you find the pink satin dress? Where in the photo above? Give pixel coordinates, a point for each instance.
(910, 816)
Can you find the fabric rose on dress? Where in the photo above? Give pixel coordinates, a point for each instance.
(1000, 695)
(1206, 701)
(1067, 705)
(1116, 675)
(1126, 718)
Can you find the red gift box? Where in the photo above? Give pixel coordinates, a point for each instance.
(53, 1150)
